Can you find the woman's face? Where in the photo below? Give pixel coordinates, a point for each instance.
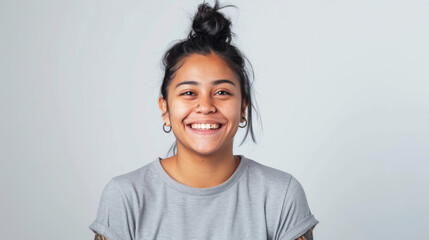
(204, 105)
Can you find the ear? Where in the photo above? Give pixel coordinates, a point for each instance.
(243, 110)
(164, 109)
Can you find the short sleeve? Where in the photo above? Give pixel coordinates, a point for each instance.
(113, 218)
(296, 215)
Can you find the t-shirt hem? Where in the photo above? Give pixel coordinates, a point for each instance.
(299, 229)
(107, 232)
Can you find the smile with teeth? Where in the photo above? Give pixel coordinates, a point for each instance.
(205, 126)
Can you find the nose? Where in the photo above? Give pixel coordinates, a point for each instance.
(205, 105)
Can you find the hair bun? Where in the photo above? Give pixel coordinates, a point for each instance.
(209, 23)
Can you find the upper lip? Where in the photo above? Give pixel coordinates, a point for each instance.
(205, 122)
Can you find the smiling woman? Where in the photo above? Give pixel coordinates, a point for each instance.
(204, 108)
(204, 191)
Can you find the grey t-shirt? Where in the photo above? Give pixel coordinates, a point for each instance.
(256, 202)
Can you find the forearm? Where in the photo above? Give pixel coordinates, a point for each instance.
(307, 236)
(99, 237)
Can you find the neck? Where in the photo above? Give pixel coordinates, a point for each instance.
(204, 171)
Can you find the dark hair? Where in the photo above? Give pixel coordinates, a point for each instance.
(211, 33)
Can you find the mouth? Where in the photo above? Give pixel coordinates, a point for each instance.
(204, 128)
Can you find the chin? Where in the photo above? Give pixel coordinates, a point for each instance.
(205, 151)
(205, 148)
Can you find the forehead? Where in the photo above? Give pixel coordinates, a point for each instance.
(204, 68)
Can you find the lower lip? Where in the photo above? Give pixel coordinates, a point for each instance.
(205, 131)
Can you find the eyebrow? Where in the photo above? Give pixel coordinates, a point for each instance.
(216, 82)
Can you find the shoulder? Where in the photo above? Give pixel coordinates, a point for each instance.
(276, 182)
(271, 176)
(289, 208)
(128, 185)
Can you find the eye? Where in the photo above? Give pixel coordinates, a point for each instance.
(222, 92)
(187, 93)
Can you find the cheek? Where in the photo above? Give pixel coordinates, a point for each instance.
(179, 110)
(232, 112)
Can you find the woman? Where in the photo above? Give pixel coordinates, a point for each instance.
(204, 191)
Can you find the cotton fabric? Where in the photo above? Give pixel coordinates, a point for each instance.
(256, 202)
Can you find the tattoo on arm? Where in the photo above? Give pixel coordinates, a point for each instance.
(307, 236)
(99, 237)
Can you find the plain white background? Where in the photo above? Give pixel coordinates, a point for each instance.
(342, 88)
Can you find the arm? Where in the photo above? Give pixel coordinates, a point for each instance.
(307, 236)
(99, 237)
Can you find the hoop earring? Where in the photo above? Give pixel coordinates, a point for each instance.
(245, 123)
(163, 128)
